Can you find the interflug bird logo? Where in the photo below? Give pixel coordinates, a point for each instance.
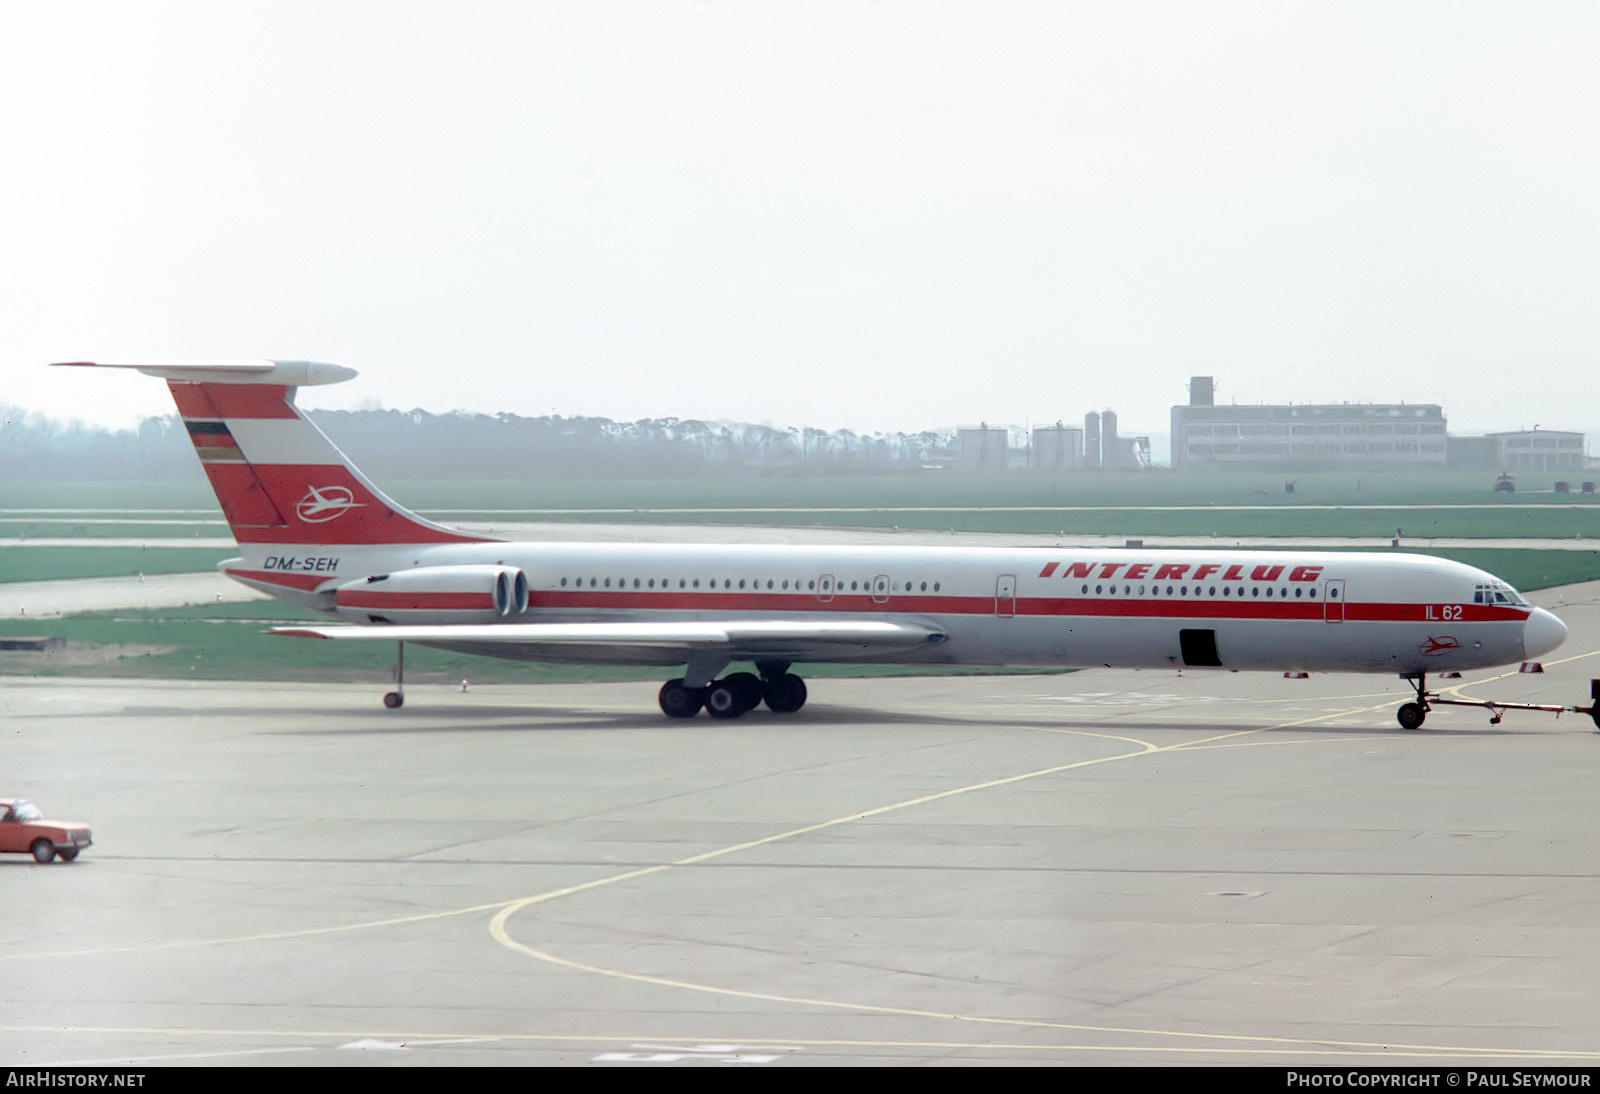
(1433, 647)
(324, 503)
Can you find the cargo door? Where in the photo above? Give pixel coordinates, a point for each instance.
(1199, 649)
(1005, 596)
(1333, 601)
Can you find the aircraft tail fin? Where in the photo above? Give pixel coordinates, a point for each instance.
(276, 475)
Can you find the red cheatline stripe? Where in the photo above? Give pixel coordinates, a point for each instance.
(403, 601)
(1082, 607)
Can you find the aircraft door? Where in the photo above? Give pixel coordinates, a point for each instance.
(1333, 601)
(1005, 596)
(825, 588)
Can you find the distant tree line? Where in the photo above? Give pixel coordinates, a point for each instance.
(418, 445)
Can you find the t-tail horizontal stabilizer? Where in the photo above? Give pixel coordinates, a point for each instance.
(279, 480)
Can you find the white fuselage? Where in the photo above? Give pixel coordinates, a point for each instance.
(1140, 608)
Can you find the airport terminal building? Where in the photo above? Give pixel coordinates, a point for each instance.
(1540, 450)
(1307, 436)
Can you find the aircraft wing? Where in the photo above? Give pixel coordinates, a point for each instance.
(738, 638)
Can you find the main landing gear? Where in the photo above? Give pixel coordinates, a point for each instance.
(736, 694)
(1412, 715)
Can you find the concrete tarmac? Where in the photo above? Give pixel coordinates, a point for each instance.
(1103, 867)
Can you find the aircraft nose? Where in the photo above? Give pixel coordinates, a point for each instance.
(1542, 633)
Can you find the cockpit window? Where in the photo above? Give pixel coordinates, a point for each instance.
(1497, 593)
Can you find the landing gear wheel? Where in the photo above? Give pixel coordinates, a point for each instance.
(396, 698)
(1411, 715)
(784, 694)
(69, 854)
(678, 701)
(747, 686)
(723, 700)
(43, 850)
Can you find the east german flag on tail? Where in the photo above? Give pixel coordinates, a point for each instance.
(276, 475)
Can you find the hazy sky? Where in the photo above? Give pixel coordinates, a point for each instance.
(892, 215)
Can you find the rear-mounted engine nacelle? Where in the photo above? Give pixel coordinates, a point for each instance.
(435, 594)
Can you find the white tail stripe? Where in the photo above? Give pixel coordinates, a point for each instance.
(281, 440)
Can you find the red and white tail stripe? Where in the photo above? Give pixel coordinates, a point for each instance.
(277, 476)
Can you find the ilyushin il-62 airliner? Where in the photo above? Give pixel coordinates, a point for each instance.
(312, 530)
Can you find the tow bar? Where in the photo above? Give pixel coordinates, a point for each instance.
(1411, 715)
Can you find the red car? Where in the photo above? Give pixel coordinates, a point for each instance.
(23, 828)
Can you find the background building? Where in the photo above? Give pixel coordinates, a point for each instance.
(983, 449)
(1539, 450)
(1056, 448)
(1091, 441)
(1305, 436)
